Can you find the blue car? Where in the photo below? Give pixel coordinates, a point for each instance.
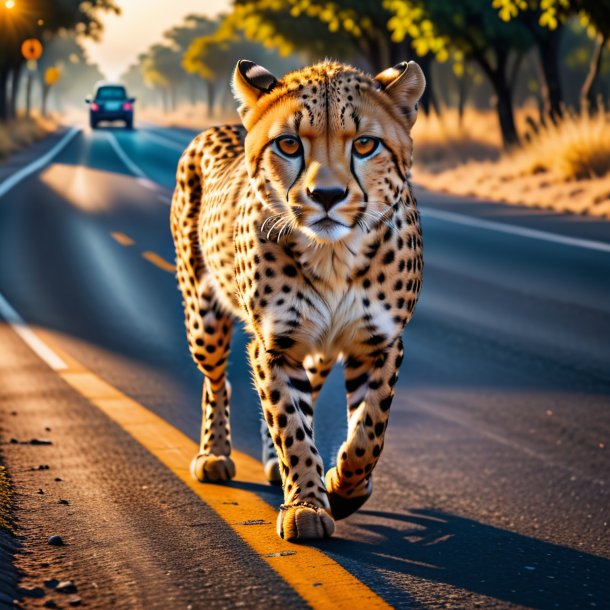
(110, 103)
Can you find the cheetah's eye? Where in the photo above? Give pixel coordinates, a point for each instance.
(289, 146)
(365, 146)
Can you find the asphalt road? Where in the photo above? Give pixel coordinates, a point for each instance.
(493, 489)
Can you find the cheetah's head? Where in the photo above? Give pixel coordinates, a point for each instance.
(328, 147)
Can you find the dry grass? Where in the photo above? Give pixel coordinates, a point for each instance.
(6, 499)
(565, 167)
(441, 143)
(576, 148)
(22, 132)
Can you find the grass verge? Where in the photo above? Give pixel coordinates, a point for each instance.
(563, 167)
(21, 132)
(6, 499)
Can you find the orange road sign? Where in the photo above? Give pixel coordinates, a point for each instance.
(52, 75)
(31, 48)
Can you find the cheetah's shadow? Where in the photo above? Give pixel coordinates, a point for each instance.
(437, 547)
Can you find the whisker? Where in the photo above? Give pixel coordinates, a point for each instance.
(270, 218)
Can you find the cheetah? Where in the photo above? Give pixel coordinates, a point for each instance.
(302, 223)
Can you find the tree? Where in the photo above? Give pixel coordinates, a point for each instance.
(213, 57)
(348, 29)
(78, 74)
(162, 69)
(472, 28)
(546, 19)
(38, 19)
(181, 36)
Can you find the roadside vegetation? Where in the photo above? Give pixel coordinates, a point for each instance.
(513, 111)
(563, 166)
(57, 76)
(6, 498)
(21, 132)
(516, 106)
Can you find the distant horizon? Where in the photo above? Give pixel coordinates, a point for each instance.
(127, 35)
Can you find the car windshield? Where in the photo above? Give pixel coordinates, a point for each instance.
(111, 93)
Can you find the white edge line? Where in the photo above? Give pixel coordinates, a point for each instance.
(131, 166)
(27, 334)
(24, 172)
(163, 141)
(462, 219)
(172, 134)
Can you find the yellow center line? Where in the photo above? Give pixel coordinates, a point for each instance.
(319, 580)
(123, 239)
(160, 262)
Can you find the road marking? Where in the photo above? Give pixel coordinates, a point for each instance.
(318, 579)
(26, 333)
(164, 141)
(500, 227)
(174, 134)
(26, 171)
(131, 166)
(123, 239)
(160, 262)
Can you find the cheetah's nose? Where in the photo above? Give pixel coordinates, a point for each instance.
(328, 197)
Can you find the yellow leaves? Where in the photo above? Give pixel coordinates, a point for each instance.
(411, 21)
(508, 9)
(548, 19)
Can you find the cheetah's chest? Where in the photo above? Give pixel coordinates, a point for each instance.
(351, 319)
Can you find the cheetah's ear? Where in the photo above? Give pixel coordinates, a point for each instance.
(405, 84)
(250, 82)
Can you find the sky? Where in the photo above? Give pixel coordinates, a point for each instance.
(141, 24)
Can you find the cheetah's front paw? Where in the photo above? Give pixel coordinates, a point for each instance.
(212, 468)
(304, 522)
(346, 499)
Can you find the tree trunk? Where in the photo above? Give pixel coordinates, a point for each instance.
(15, 78)
(428, 100)
(28, 95)
(192, 89)
(45, 96)
(501, 86)
(3, 92)
(210, 98)
(514, 72)
(547, 43)
(586, 93)
(506, 115)
(548, 49)
(463, 82)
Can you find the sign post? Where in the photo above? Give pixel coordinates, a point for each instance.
(31, 49)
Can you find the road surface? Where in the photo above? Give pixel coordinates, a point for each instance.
(493, 490)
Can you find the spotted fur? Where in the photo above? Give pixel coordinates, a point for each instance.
(319, 253)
